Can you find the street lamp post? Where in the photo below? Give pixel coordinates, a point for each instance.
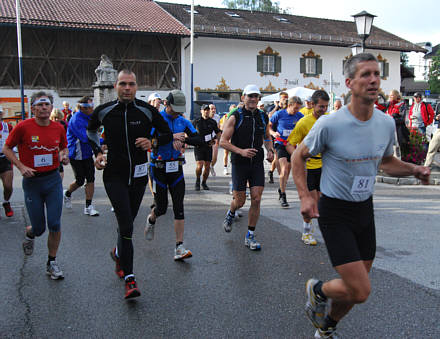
(364, 22)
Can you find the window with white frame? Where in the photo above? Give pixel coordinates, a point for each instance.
(268, 63)
(310, 65)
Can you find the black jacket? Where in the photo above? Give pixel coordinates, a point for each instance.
(123, 124)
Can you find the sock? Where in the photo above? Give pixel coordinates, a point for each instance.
(151, 222)
(178, 243)
(318, 291)
(231, 214)
(197, 180)
(128, 276)
(49, 259)
(5, 202)
(204, 182)
(251, 229)
(88, 202)
(307, 227)
(29, 236)
(68, 194)
(329, 322)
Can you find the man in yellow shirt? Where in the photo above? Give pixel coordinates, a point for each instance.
(319, 100)
(308, 108)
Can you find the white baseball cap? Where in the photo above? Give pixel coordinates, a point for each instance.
(251, 89)
(154, 96)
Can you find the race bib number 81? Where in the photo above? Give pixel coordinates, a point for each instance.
(362, 185)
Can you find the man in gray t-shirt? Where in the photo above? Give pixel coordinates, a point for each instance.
(354, 143)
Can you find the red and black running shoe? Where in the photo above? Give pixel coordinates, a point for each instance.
(118, 270)
(131, 290)
(8, 209)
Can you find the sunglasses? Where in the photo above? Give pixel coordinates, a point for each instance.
(255, 95)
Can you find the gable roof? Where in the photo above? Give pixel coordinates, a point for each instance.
(433, 52)
(256, 25)
(109, 15)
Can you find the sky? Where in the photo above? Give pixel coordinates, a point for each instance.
(415, 21)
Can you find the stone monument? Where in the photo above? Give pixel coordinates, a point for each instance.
(106, 75)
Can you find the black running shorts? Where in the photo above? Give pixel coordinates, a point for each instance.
(5, 165)
(313, 179)
(243, 173)
(83, 170)
(203, 153)
(281, 152)
(348, 229)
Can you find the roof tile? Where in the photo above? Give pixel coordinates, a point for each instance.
(121, 15)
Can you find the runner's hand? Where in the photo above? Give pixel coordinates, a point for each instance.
(309, 208)
(100, 161)
(248, 152)
(277, 135)
(143, 143)
(422, 173)
(270, 156)
(177, 145)
(27, 172)
(179, 136)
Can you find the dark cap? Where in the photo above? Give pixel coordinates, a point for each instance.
(417, 95)
(205, 106)
(176, 99)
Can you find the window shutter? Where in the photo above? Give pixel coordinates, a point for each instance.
(260, 63)
(277, 64)
(318, 66)
(343, 66)
(302, 65)
(386, 69)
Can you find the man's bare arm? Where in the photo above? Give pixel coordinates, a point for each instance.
(395, 167)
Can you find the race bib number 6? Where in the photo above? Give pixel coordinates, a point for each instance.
(43, 160)
(362, 185)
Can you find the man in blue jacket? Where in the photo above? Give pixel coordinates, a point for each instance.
(81, 156)
(166, 169)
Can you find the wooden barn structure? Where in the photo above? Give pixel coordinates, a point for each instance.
(63, 41)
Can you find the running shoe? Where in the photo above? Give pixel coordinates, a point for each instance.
(149, 229)
(249, 241)
(227, 223)
(91, 211)
(225, 171)
(118, 270)
(54, 270)
(330, 333)
(213, 171)
(315, 306)
(271, 177)
(8, 209)
(181, 253)
(204, 186)
(28, 246)
(197, 186)
(131, 290)
(67, 201)
(283, 200)
(308, 239)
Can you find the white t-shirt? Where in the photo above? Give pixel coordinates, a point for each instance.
(351, 152)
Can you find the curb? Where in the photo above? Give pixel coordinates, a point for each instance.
(404, 181)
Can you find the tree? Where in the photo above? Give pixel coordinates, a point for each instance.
(404, 59)
(434, 74)
(255, 5)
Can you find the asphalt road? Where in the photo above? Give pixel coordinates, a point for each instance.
(225, 290)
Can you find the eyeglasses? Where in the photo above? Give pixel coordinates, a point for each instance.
(254, 95)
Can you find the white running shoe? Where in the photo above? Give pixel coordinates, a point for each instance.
(225, 171)
(149, 229)
(91, 211)
(181, 253)
(67, 201)
(308, 239)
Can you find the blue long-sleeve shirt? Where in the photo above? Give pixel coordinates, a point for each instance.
(77, 141)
